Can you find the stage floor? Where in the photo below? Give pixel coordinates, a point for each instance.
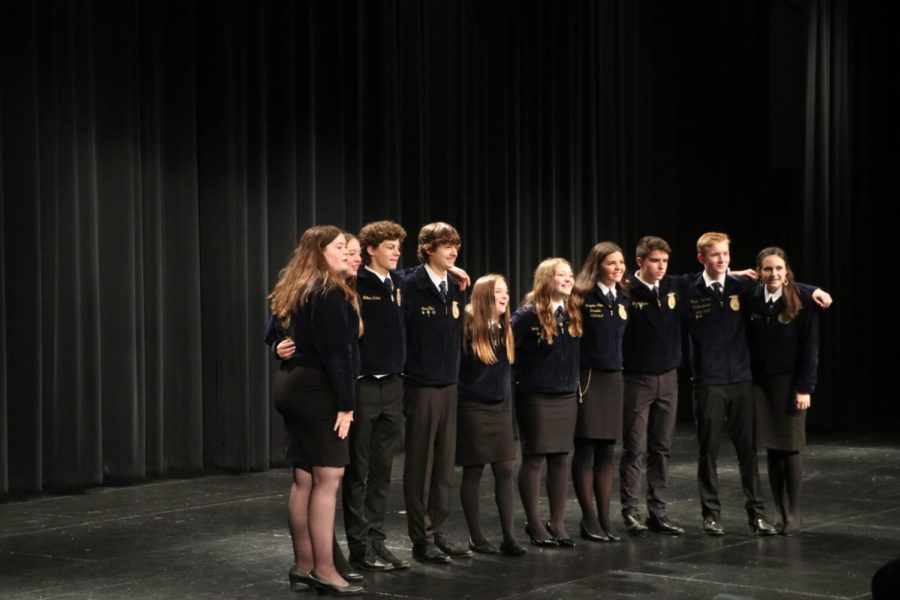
(224, 536)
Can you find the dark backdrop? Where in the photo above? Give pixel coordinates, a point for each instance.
(159, 160)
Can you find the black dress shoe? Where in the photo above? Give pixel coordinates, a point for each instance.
(760, 526)
(383, 553)
(429, 553)
(484, 547)
(633, 526)
(323, 586)
(611, 536)
(565, 542)
(588, 535)
(540, 543)
(711, 526)
(448, 547)
(787, 529)
(370, 562)
(661, 524)
(299, 581)
(512, 548)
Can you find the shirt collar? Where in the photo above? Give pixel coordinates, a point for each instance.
(378, 275)
(606, 290)
(709, 280)
(554, 306)
(773, 297)
(637, 275)
(435, 279)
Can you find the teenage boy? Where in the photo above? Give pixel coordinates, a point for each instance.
(378, 419)
(433, 309)
(723, 390)
(651, 352)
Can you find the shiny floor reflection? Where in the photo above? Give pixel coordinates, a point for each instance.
(224, 536)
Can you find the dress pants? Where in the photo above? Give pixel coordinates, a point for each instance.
(374, 437)
(651, 408)
(430, 459)
(715, 408)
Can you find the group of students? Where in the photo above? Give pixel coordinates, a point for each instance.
(365, 348)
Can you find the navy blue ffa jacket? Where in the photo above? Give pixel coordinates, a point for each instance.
(604, 326)
(433, 330)
(325, 331)
(718, 339)
(780, 346)
(482, 382)
(652, 341)
(544, 368)
(382, 348)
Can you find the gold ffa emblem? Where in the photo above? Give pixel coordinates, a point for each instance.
(670, 300)
(455, 309)
(783, 318)
(734, 303)
(286, 322)
(623, 314)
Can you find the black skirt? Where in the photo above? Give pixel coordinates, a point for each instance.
(546, 422)
(306, 401)
(484, 432)
(779, 425)
(600, 406)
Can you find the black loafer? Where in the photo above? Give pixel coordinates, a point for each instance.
(370, 562)
(383, 553)
(661, 524)
(711, 526)
(633, 526)
(429, 553)
(451, 549)
(760, 526)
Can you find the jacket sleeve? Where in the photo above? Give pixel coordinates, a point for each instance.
(335, 337)
(521, 322)
(808, 351)
(273, 335)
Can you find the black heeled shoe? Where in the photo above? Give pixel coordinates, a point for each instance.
(548, 543)
(612, 536)
(323, 587)
(512, 548)
(588, 535)
(296, 579)
(483, 547)
(566, 542)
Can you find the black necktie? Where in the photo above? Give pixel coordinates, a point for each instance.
(717, 290)
(656, 293)
(443, 290)
(770, 305)
(560, 315)
(389, 284)
(610, 297)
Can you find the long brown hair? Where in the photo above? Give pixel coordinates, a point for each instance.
(477, 328)
(592, 268)
(307, 271)
(541, 296)
(792, 303)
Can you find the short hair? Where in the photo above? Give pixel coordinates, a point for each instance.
(372, 234)
(436, 234)
(650, 243)
(709, 238)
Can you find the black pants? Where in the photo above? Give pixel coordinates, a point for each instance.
(374, 437)
(430, 459)
(715, 408)
(651, 408)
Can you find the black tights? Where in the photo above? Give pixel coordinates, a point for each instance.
(786, 477)
(503, 494)
(530, 488)
(592, 476)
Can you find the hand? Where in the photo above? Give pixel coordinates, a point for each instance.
(461, 277)
(342, 423)
(822, 298)
(751, 273)
(285, 348)
(803, 401)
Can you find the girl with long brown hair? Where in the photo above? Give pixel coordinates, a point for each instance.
(546, 329)
(314, 327)
(783, 331)
(484, 432)
(604, 307)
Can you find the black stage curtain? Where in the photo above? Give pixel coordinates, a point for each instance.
(159, 160)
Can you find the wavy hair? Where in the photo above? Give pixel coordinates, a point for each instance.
(592, 269)
(478, 333)
(541, 294)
